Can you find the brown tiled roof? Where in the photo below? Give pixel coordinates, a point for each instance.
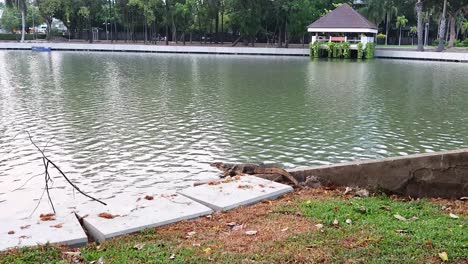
(343, 16)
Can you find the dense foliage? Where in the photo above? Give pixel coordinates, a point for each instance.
(276, 22)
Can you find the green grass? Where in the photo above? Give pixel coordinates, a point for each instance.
(374, 224)
(44, 254)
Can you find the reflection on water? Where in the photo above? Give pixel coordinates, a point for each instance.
(129, 121)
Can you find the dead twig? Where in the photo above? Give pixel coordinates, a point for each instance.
(46, 161)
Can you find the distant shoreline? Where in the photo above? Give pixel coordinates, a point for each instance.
(261, 49)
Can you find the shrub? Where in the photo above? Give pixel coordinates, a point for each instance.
(370, 49)
(359, 50)
(17, 37)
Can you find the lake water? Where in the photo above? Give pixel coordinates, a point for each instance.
(122, 121)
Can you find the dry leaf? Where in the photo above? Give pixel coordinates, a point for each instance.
(11, 232)
(47, 217)
(401, 231)
(57, 225)
(207, 251)
(285, 229)
(231, 224)
(172, 256)
(251, 232)
(443, 256)
(386, 208)
(245, 187)
(454, 216)
(25, 227)
(190, 234)
(349, 221)
(399, 217)
(347, 190)
(71, 253)
(238, 228)
(149, 197)
(335, 222)
(319, 226)
(138, 246)
(107, 215)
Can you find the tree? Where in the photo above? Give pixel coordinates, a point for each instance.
(456, 10)
(413, 31)
(48, 9)
(419, 12)
(464, 27)
(401, 22)
(10, 19)
(21, 5)
(442, 27)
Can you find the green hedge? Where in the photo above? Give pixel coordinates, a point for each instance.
(11, 36)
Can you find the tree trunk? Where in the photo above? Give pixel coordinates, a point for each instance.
(387, 28)
(441, 46)
(49, 26)
(453, 33)
(419, 11)
(222, 26)
(183, 37)
(280, 37)
(217, 26)
(23, 23)
(286, 37)
(236, 41)
(399, 38)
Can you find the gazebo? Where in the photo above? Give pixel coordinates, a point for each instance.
(344, 24)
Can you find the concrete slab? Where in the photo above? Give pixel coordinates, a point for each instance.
(245, 190)
(64, 230)
(131, 213)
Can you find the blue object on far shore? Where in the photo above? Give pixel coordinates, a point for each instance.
(43, 49)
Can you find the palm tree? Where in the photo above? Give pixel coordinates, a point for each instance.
(413, 31)
(401, 22)
(419, 11)
(22, 7)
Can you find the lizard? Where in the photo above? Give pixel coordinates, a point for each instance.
(230, 169)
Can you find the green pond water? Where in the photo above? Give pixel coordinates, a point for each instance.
(131, 120)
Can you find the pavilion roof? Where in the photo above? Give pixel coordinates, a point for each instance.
(343, 18)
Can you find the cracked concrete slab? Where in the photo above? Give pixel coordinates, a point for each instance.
(224, 195)
(127, 213)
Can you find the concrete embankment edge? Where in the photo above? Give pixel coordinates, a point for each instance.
(441, 174)
(426, 55)
(304, 52)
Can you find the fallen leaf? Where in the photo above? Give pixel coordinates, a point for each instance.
(464, 198)
(238, 228)
(319, 226)
(284, 229)
(172, 256)
(23, 237)
(72, 253)
(245, 187)
(25, 227)
(414, 218)
(454, 216)
(386, 208)
(138, 246)
(349, 221)
(443, 256)
(11, 232)
(362, 209)
(308, 202)
(100, 260)
(231, 224)
(362, 193)
(207, 251)
(57, 225)
(347, 190)
(335, 222)
(196, 245)
(399, 217)
(251, 232)
(149, 197)
(107, 215)
(190, 234)
(47, 217)
(401, 231)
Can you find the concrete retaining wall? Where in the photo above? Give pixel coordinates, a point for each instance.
(158, 48)
(426, 55)
(443, 174)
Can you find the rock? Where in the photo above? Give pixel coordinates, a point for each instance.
(312, 182)
(362, 193)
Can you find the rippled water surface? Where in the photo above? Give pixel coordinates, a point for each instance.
(129, 121)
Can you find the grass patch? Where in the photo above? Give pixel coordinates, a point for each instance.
(287, 233)
(376, 235)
